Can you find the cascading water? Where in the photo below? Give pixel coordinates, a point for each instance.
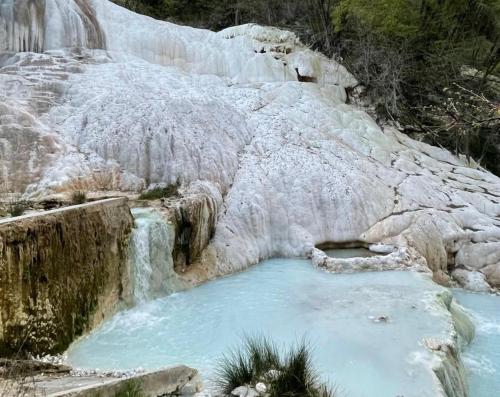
(151, 248)
(39, 25)
(482, 357)
(21, 25)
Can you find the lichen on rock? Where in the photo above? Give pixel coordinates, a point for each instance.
(61, 273)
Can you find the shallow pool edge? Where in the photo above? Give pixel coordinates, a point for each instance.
(449, 368)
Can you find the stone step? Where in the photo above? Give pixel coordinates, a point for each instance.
(168, 381)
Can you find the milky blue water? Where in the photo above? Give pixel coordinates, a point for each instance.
(286, 299)
(482, 357)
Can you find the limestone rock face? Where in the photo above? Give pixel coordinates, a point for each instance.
(194, 217)
(472, 280)
(61, 273)
(249, 112)
(492, 273)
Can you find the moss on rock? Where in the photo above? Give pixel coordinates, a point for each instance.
(61, 273)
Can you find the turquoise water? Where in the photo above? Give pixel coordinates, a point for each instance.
(482, 357)
(286, 299)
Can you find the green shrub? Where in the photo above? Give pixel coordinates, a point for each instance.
(160, 192)
(260, 361)
(17, 207)
(79, 197)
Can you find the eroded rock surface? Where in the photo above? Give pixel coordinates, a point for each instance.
(194, 217)
(61, 273)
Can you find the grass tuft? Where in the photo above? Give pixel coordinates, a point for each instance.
(259, 360)
(161, 192)
(296, 377)
(79, 197)
(18, 207)
(131, 388)
(235, 369)
(263, 354)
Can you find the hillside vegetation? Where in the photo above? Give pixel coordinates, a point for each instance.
(431, 67)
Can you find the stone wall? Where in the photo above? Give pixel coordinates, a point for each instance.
(61, 273)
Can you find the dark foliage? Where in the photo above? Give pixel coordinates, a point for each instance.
(18, 207)
(160, 192)
(260, 361)
(78, 197)
(430, 65)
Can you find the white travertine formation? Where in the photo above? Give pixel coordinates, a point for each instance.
(251, 112)
(37, 25)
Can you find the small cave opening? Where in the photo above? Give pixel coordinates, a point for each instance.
(305, 79)
(349, 249)
(181, 253)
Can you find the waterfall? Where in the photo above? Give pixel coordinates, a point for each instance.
(22, 25)
(39, 25)
(152, 265)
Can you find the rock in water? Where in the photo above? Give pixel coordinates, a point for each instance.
(260, 388)
(252, 114)
(244, 391)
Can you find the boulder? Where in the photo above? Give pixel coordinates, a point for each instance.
(471, 280)
(244, 391)
(492, 273)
